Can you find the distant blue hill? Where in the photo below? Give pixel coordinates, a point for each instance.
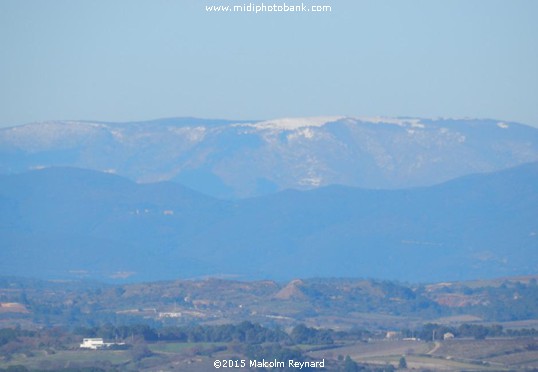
(67, 222)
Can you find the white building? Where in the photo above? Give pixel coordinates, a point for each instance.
(97, 343)
(92, 343)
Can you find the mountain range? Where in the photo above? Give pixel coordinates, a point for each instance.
(63, 222)
(239, 159)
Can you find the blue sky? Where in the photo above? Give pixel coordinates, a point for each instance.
(135, 60)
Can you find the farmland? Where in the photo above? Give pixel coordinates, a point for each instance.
(349, 323)
(372, 354)
(466, 354)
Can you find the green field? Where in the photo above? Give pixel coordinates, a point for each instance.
(69, 358)
(501, 354)
(181, 347)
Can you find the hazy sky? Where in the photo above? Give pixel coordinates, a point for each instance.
(133, 60)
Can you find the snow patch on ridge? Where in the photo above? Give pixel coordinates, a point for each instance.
(193, 134)
(294, 123)
(402, 122)
(303, 132)
(41, 136)
(314, 181)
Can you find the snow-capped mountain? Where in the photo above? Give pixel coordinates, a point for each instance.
(242, 159)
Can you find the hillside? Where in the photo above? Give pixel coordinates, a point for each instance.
(337, 303)
(64, 223)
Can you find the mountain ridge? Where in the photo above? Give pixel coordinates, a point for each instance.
(238, 159)
(458, 230)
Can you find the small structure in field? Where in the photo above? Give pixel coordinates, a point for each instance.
(97, 343)
(92, 343)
